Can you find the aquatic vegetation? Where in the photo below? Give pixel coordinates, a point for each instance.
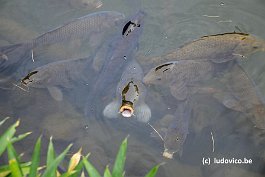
(78, 163)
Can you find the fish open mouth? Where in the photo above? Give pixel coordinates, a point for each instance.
(168, 154)
(126, 111)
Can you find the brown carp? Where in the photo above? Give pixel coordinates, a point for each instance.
(174, 132)
(216, 48)
(79, 28)
(237, 91)
(178, 75)
(58, 74)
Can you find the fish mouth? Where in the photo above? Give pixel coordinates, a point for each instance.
(167, 154)
(98, 4)
(126, 111)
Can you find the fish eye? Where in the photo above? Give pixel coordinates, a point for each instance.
(177, 139)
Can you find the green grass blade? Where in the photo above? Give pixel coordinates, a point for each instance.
(3, 121)
(153, 171)
(118, 167)
(69, 173)
(5, 170)
(35, 159)
(13, 161)
(107, 172)
(91, 170)
(50, 154)
(19, 137)
(8, 134)
(51, 170)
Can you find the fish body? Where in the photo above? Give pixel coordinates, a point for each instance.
(238, 92)
(120, 51)
(173, 130)
(62, 73)
(130, 96)
(217, 48)
(79, 28)
(88, 4)
(179, 75)
(241, 94)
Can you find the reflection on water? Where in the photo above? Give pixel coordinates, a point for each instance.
(169, 24)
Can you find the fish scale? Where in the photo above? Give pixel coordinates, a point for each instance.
(80, 27)
(216, 48)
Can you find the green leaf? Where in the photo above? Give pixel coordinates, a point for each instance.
(78, 169)
(6, 137)
(74, 161)
(69, 173)
(13, 161)
(50, 154)
(3, 121)
(51, 169)
(35, 159)
(107, 172)
(153, 171)
(5, 170)
(91, 170)
(20, 137)
(118, 167)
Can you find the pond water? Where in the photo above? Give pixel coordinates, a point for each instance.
(167, 25)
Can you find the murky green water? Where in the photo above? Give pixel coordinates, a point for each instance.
(168, 25)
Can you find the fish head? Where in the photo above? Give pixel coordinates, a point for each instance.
(115, 18)
(173, 142)
(159, 74)
(250, 44)
(133, 23)
(34, 79)
(130, 95)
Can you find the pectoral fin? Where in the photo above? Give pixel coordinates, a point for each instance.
(179, 90)
(55, 93)
(112, 109)
(143, 112)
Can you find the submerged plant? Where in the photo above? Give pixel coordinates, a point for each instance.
(77, 165)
